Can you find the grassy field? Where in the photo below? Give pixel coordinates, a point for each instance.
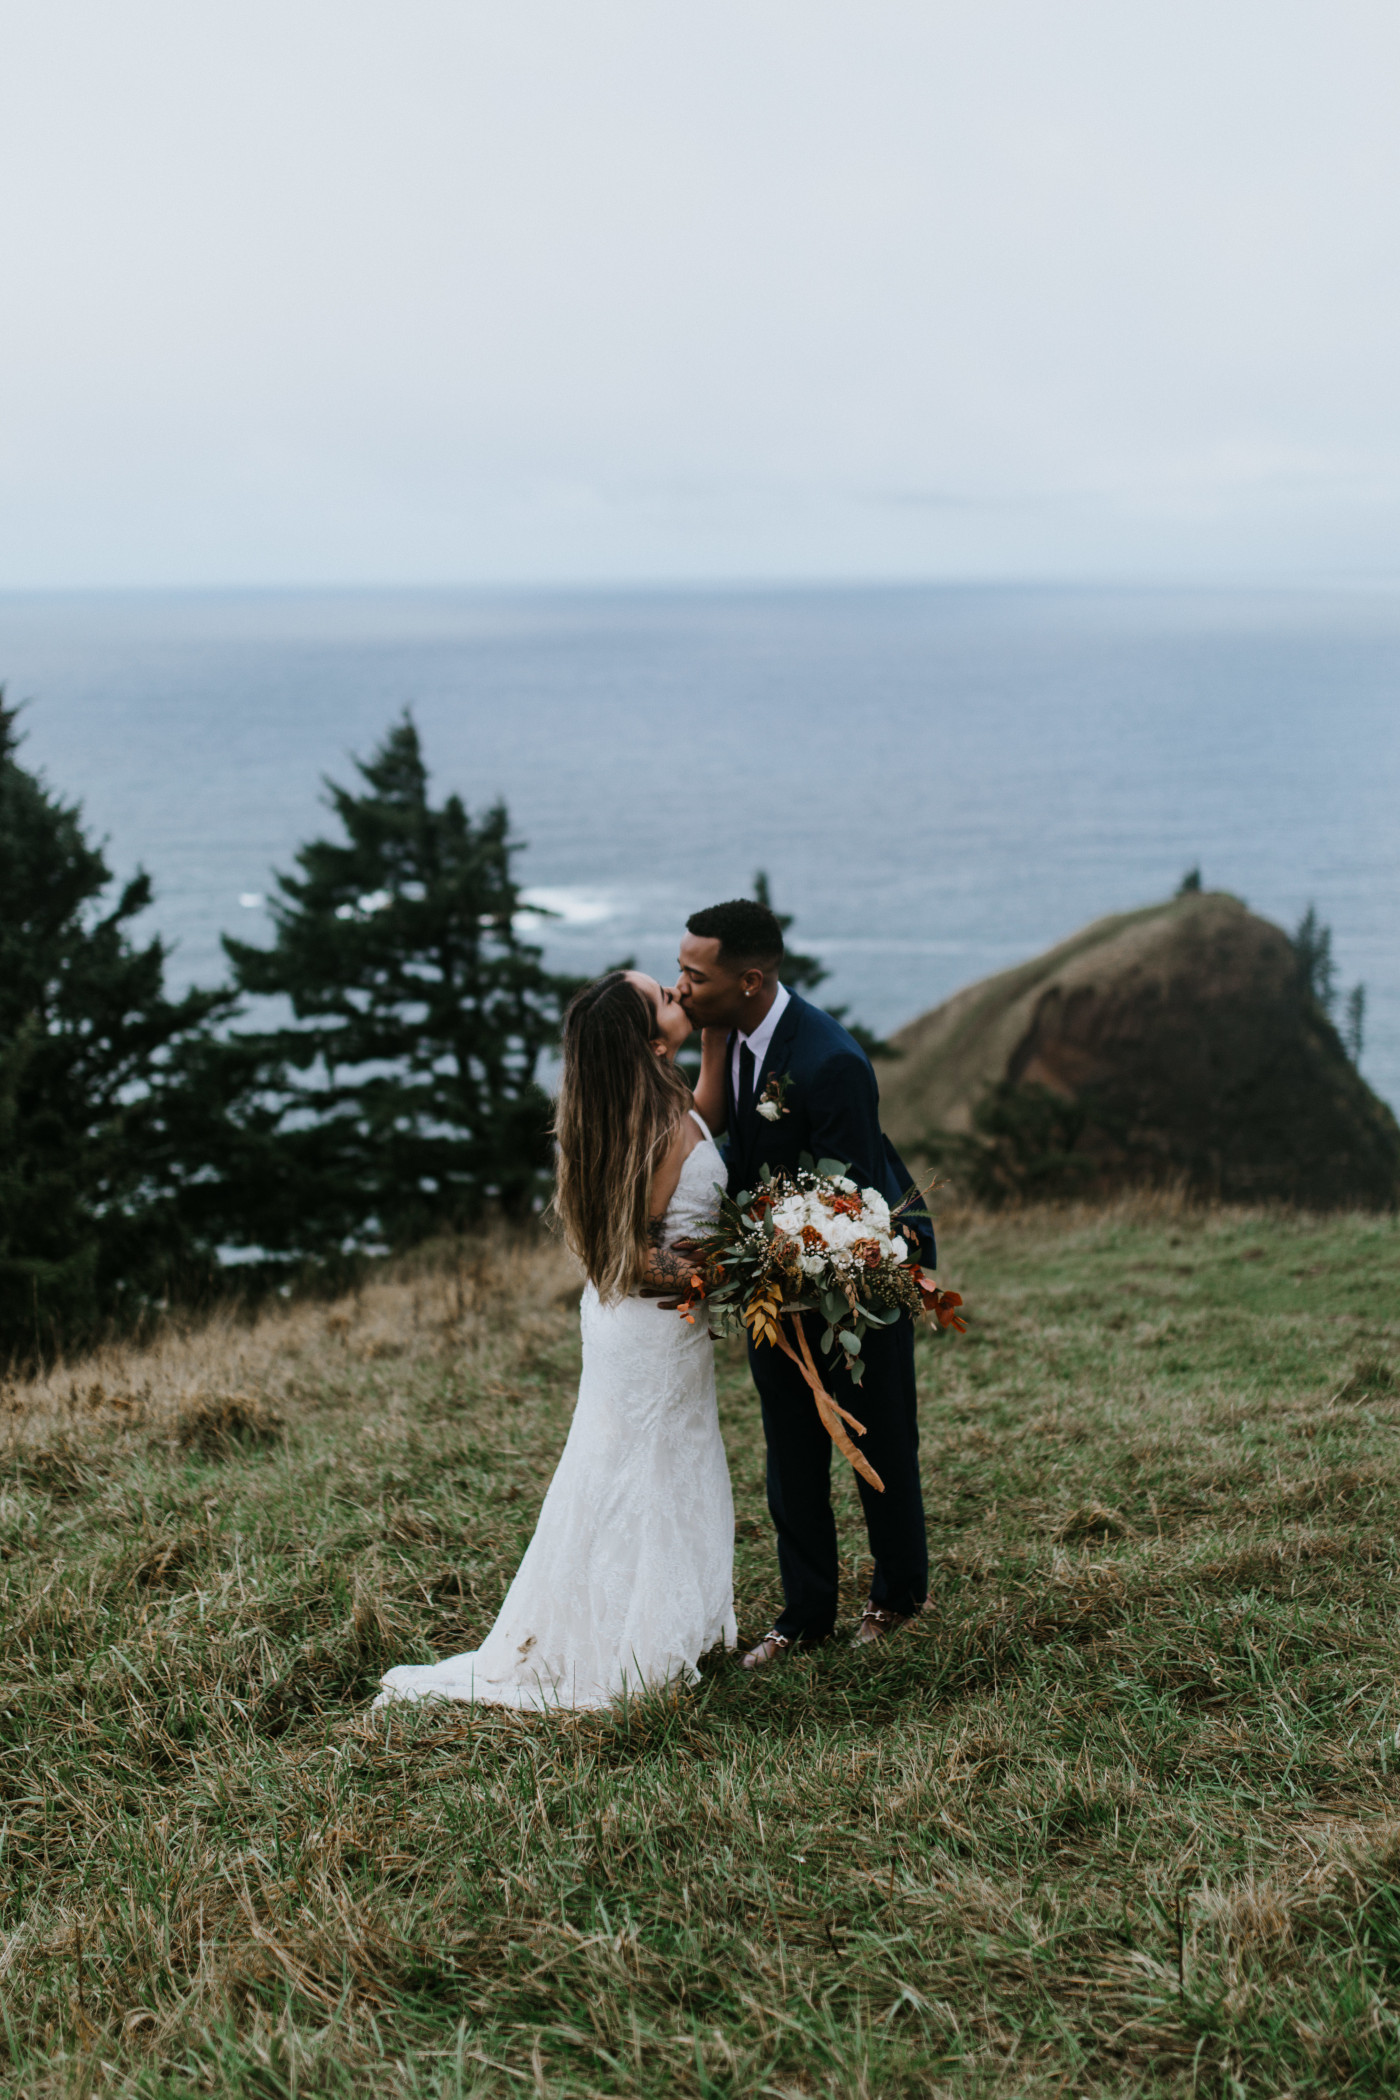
(1120, 1815)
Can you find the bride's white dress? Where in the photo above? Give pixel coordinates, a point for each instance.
(629, 1577)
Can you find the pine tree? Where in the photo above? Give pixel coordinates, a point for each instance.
(803, 973)
(90, 1093)
(1312, 944)
(403, 1098)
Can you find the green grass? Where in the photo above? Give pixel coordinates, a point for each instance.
(1120, 1815)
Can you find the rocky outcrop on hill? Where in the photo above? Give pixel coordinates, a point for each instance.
(1177, 1043)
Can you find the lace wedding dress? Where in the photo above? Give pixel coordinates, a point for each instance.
(628, 1579)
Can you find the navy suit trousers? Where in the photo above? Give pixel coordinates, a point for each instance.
(799, 1475)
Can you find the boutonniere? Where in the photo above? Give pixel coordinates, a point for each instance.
(772, 1102)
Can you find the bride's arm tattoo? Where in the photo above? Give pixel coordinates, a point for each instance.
(668, 1268)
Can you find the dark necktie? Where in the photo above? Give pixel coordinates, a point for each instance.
(746, 1069)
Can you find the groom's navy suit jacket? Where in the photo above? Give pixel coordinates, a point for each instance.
(833, 1112)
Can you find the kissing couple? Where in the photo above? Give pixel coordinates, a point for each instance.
(629, 1578)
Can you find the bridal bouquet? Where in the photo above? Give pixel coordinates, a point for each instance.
(814, 1242)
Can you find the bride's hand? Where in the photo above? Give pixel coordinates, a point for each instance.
(709, 1087)
(671, 1274)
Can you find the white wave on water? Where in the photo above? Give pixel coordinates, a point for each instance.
(569, 907)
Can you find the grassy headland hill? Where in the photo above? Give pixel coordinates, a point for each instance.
(1120, 1815)
(1182, 1044)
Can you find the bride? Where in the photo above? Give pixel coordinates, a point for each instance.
(628, 1579)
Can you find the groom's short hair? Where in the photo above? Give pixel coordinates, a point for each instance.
(748, 933)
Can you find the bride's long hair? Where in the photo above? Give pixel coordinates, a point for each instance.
(619, 1105)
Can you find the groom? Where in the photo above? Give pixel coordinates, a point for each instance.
(790, 1059)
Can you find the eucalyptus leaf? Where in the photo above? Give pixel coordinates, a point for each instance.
(849, 1342)
(828, 1337)
(834, 1166)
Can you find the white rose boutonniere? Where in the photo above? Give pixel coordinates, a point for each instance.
(772, 1101)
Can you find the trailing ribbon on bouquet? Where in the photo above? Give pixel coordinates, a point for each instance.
(831, 1412)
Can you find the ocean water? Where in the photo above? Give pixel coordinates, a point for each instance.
(939, 781)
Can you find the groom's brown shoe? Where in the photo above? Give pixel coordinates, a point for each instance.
(768, 1650)
(877, 1625)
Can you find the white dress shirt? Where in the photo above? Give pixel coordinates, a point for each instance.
(758, 1041)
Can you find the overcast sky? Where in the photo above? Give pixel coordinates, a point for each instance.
(320, 291)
